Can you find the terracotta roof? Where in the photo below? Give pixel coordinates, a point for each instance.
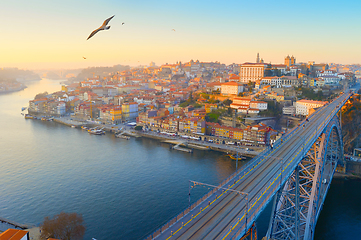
(311, 101)
(13, 234)
(231, 84)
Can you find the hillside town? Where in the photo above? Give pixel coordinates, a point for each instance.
(250, 104)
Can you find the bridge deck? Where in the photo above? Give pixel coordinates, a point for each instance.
(225, 214)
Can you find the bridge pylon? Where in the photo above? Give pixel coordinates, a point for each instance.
(299, 202)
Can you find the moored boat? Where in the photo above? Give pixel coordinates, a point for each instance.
(27, 116)
(122, 136)
(96, 131)
(235, 157)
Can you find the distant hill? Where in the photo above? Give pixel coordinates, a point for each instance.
(100, 71)
(18, 74)
(56, 74)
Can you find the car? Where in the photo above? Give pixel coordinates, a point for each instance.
(230, 143)
(210, 140)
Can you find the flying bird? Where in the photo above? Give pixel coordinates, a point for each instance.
(173, 30)
(122, 23)
(102, 27)
(84, 57)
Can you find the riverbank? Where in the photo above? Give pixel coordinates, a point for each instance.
(346, 176)
(189, 143)
(13, 90)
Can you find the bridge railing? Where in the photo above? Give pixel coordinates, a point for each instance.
(277, 183)
(201, 203)
(186, 215)
(261, 200)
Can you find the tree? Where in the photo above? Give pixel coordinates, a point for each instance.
(190, 99)
(65, 226)
(184, 104)
(227, 102)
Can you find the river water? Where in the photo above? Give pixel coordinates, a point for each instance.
(124, 189)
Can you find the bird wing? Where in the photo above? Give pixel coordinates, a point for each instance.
(107, 21)
(93, 33)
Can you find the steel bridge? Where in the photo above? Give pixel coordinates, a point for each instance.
(296, 172)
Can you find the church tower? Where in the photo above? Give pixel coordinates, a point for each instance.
(288, 61)
(257, 59)
(293, 60)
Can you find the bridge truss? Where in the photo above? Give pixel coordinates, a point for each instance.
(298, 204)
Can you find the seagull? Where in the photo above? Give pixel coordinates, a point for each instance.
(102, 27)
(173, 30)
(122, 23)
(84, 57)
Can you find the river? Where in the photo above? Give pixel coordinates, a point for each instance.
(124, 189)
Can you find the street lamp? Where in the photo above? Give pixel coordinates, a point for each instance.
(227, 189)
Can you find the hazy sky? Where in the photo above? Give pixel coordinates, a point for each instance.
(52, 33)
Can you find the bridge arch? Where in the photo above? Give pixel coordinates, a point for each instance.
(299, 202)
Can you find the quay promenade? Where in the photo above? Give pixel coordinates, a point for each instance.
(249, 151)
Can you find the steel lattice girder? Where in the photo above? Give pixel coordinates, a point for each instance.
(299, 203)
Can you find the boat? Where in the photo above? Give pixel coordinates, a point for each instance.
(73, 126)
(84, 127)
(27, 116)
(122, 136)
(234, 157)
(96, 131)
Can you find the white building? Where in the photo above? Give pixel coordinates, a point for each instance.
(251, 72)
(291, 110)
(238, 101)
(61, 108)
(258, 105)
(330, 80)
(231, 88)
(280, 67)
(280, 82)
(303, 106)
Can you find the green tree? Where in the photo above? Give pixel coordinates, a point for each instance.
(273, 110)
(190, 99)
(65, 226)
(227, 102)
(184, 104)
(205, 95)
(196, 105)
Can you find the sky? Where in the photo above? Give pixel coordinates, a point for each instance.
(40, 34)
